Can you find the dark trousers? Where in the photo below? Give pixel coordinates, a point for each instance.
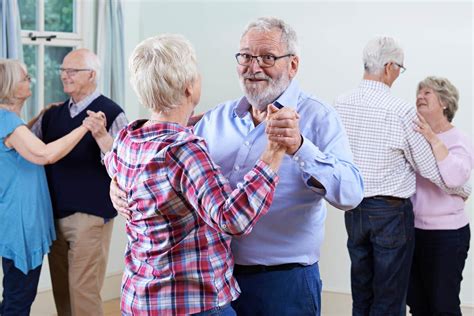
(436, 274)
(295, 291)
(226, 310)
(19, 290)
(380, 243)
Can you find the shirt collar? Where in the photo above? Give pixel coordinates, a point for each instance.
(288, 98)
(84, 102)
(374, 85)
(139, 133)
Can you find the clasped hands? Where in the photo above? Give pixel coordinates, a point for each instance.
(96, 123)
(283, 128)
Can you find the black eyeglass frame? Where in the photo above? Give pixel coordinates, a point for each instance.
(260, 60)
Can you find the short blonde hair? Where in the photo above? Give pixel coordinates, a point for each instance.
(10, 75)
(161, 68)
(447, 93)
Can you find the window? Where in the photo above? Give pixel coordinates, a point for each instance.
(50, 30)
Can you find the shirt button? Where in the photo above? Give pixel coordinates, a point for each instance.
(296, 158)
(302, 163)
(247, 144)
(224, 226)
(236, 168)
(240, 185)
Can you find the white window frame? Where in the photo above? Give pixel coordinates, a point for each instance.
(62, 39)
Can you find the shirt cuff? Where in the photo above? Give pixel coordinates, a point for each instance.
(267, 172)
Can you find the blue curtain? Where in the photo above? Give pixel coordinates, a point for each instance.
(10, 30)
(110, 49)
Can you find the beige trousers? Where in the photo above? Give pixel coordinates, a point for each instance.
(77, 263)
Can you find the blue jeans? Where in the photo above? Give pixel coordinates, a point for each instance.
(296, 291)
(19, 290)
(436, 273)
(225, 310)
(380, 242)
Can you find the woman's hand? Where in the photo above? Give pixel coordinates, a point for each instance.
(424, 128)
(440, 151)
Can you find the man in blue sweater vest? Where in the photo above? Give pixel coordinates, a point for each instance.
(79, 186)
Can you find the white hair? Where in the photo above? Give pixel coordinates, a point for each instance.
(90, 59)
(380, 51)
(93, 62)
(161, 68)
(266, 24)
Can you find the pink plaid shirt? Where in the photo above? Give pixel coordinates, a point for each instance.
(178, 259)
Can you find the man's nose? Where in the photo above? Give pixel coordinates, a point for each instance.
(255, 66)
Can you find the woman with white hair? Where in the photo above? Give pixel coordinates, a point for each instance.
(26, 216)
(183, 210)
(442, 233)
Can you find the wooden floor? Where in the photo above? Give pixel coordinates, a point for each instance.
(112, 308)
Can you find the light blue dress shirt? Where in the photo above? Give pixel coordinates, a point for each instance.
(293, 230)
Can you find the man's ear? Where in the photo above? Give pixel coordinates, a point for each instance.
(93, 75)
(386, 68)
(294, 63)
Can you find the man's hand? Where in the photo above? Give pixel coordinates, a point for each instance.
(96, 123)
(283, 128)
(119, 200)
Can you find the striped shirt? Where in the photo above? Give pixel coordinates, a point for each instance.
(178, 259)
(386, 148)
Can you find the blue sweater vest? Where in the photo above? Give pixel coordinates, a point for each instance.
(79, 181)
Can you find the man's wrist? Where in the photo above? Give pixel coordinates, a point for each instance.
(297, 147)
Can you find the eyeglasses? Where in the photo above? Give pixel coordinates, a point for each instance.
(402, 68)
(72, 71)
(264, 61)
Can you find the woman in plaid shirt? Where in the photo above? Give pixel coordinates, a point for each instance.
(184, 212)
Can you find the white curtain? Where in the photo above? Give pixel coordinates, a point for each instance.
(10, 30)
(110, 49)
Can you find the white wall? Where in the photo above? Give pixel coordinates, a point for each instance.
(437, 37)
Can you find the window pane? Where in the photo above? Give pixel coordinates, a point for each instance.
(53, 88)
(28, 14)
(59, 15)
(30, 54)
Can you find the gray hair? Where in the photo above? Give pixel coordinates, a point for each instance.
(161, 68)
(10, 76)
(266, 24)
(380, 51)
(447, 93)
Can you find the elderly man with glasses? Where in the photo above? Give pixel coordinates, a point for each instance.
(277, 263)
(389, 153)
(79, 185)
